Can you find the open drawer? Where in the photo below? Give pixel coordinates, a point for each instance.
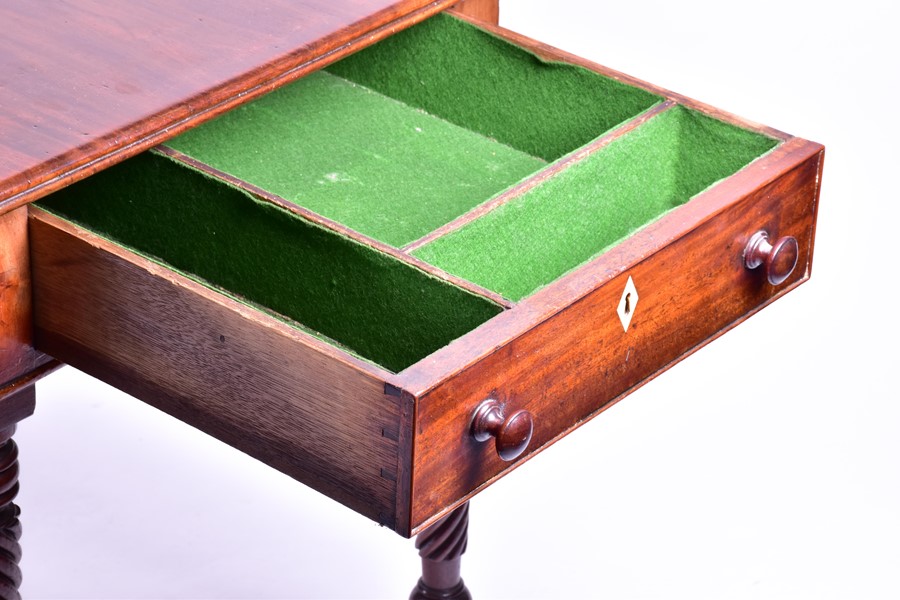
(453, 237)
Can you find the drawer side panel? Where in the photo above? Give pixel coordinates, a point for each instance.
(17, 357)
(581, 360)
(219, 366)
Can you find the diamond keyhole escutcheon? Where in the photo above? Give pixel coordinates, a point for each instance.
(627, 303)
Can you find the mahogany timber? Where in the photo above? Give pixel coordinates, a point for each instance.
(777, 261)
(482, 10)
(441, 547)
(10, 528)
(446, 362)
(12, 411)
(510, 432)
(303, 406)
(88, 84)
(17, 357)
(398, 448)
(274, 392)
(576, 360)
(16, 402)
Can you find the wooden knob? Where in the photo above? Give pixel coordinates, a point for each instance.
(778, 260)
(511, 434)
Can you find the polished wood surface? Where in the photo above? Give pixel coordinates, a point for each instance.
(10, 528)
(260, 385)
(693, 285)
(441, 547)
(84, 85)
(420, 378)
(511, 432)
(17, 396)
(91, 310)
(82, 89)
(17, 357)
(483, 10)
(399, 448)
(16, 403)
(777, 260)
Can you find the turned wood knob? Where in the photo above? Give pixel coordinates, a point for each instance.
(511, 434)
(778, 260)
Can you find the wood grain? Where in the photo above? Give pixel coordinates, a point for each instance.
(441, 547)
(10, 528)
(17, 357)
(394, 447)
(465, 351)
(580, 360)
(17, 401)
(257, 384)
(17, 396)
(88, 84)
(482, 10)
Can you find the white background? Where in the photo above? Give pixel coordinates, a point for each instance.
(765, 466)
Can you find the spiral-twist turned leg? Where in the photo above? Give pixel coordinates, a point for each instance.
(441, 547)
(10, 528)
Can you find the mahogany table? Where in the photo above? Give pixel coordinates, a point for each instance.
(92, 84)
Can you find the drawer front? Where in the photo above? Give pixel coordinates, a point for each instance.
(581, 360)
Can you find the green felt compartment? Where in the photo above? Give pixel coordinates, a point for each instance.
(358, 157)
(576, 214)
(373, 304)
(467, 76)
(410, 133)
(394, 142)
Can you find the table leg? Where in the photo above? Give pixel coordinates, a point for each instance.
(10, 528)
(16, 403)
(441, 547)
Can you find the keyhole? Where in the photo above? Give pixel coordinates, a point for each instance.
(628, 303)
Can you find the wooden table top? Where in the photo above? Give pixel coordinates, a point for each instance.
(89, 83)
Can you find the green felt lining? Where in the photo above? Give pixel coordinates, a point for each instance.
(576, 214)
(454, 115)
(377, 306)
(468, 76)
(409, 134)
(360, 158)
